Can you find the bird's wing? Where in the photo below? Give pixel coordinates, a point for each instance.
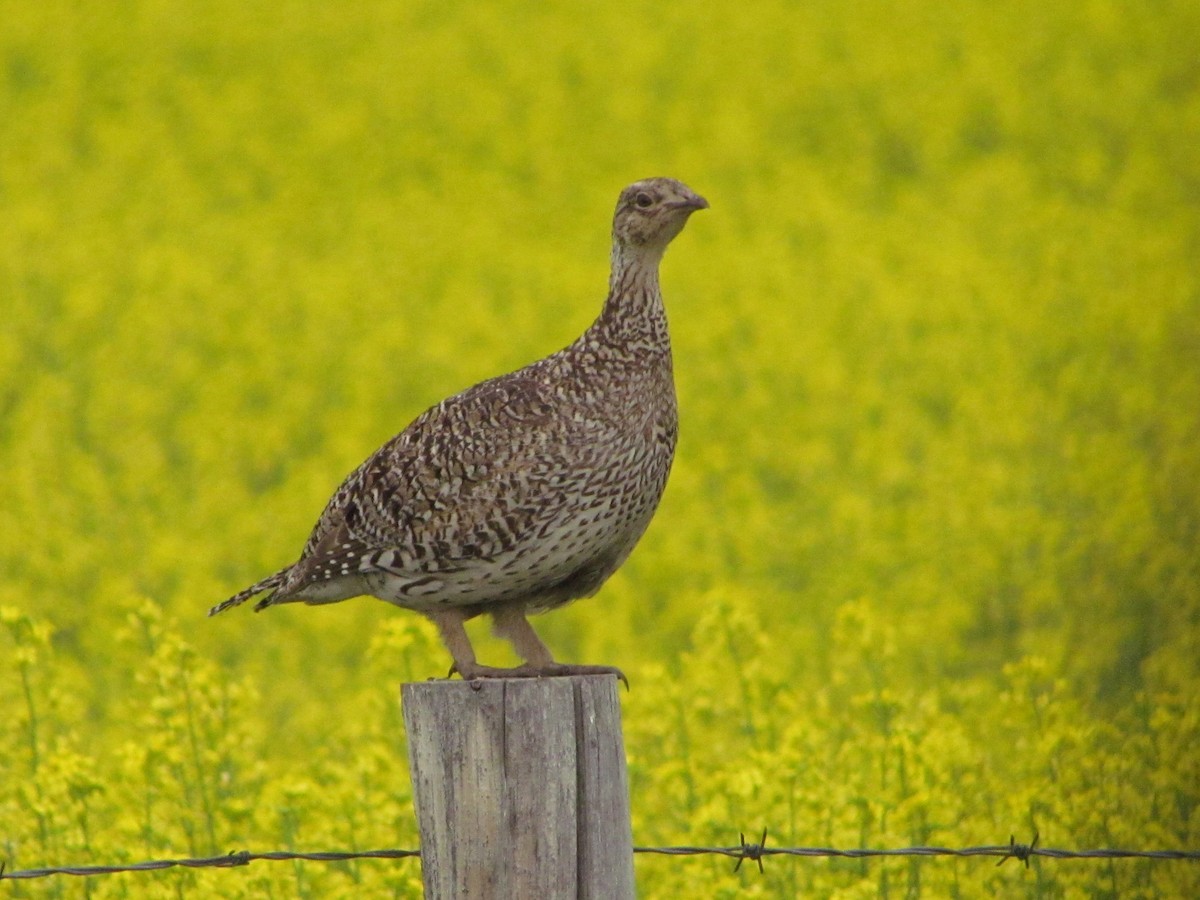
(477, 475)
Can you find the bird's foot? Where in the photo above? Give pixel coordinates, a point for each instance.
(530, 670)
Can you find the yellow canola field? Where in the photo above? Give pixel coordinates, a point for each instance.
(928, 568)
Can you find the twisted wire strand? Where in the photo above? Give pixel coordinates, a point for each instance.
(745, 850)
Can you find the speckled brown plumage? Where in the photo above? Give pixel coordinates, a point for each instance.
(525, 491)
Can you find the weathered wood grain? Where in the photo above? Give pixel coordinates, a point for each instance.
(520, 788)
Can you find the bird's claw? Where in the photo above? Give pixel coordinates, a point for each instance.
(529, 670)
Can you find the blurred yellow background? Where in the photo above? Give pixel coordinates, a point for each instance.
(927, 568)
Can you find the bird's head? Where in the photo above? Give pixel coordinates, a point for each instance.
(652, 211)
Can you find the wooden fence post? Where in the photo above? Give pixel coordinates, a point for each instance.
(520, 788)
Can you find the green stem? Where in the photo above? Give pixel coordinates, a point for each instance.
(198, 765)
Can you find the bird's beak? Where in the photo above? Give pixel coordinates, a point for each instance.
(692, 203)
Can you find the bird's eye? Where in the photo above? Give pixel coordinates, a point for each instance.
(643, 200)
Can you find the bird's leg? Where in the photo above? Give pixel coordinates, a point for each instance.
(510, 623)
(449, 624)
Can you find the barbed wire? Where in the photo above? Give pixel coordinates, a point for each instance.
(228, 861)
(754, 851)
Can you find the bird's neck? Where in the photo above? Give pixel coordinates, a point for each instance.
(634, 312)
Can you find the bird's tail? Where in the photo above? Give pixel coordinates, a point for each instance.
(270, 583)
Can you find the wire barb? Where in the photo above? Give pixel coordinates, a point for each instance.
(751, 851)
(1019, 851)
